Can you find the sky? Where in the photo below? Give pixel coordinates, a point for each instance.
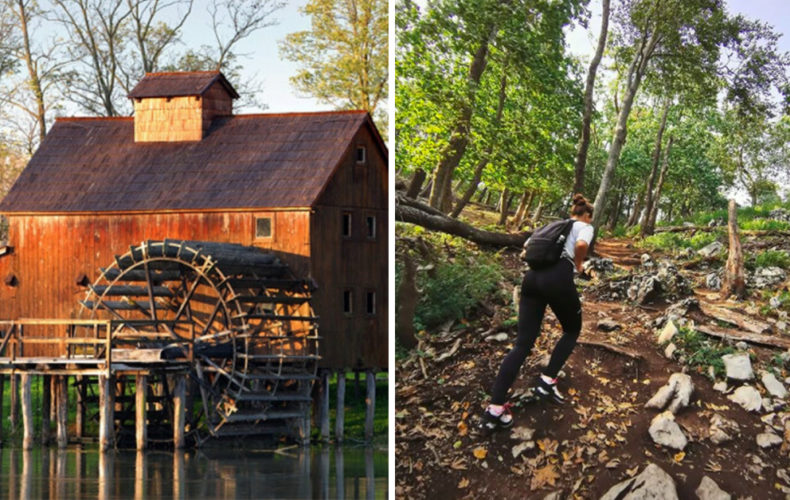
(261, 56)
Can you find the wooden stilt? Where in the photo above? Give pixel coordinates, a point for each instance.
(79, 415)
(179, 413)
(140, 475)
(324, 405)
(324, 472)
(141, 414)
(46, 408)
(370, 478)
(106, 413)
(370, 404)
(304, 426)
(340, 407)
(178, 474)
(62, 409)
(60, 474)
(105, 468)
(26, 486)
(14, 417)
(27, 412)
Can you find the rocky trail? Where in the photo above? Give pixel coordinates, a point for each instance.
(718, 425)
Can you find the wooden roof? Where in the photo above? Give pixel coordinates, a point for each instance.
(182, 83)
(245, 161)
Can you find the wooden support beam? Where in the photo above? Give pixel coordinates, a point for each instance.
(46, 408)
(62, 409)
(324, 405)
(141, 414)
(179, 412)
(178, 475)
(340, 407)
(14, 417)
(79, 423)
(140, 475)
(323, 466)
(27, 412)
(304, 425)
(370, 404)
(106, 415)
(340, 473)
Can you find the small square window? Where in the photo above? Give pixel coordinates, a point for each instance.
(361, 154)
(371, 224)
(347, 302)
(371, 302)
(263, 227)
(347, 224)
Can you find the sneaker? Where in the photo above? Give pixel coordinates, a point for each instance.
(549, 391)
(492, 422)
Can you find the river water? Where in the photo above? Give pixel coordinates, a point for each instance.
(220, 470)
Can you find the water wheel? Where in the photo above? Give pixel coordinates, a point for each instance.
(235, 315)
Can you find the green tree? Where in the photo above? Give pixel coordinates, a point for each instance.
(343, 58)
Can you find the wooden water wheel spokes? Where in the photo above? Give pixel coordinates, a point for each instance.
(235, 313)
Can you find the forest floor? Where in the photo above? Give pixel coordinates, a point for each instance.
(600, 436)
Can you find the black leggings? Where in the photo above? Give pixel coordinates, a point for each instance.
(553, 286)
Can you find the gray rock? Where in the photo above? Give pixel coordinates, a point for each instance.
(781, 326)
(608, 325)
(679, 309)
(709, 490)
(673, 396)
(722, 429)
(739, 366)
(554, 495)
(720, 386)
(644, 291)
(747, 397)
(669, 331)
(522, 433)
(499, 337)
(774, 387)
(742, 346)
(650, 484)
(768, 440)
(779, 214)
(669, 352)
(672, 282)
(647, 261)
(710, 249)
(764, 277)
(600, 265)
(686, 253)
(666, 432)
(713, 281)
(775, 302)
(521, 447)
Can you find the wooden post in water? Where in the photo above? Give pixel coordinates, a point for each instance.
(324, 405)
(27, 413)
(79, 422)
(106, 414)
(14, 402)
(340, 474)
(141, 413)
(46, 407)
(340, 407)
(62, 409)
(370, 404)
(179, 412)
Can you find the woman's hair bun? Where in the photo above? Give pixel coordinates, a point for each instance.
(579, 199)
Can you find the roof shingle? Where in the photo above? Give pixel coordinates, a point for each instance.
(180, 84)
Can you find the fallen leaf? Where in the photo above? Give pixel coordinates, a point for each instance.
(572, 391)
(457, 444)
(543, 476)
(463, 429)
(679, 457)
(632, 472)
(548, 446)
(463, 483)
(459, 464)
(480, 453)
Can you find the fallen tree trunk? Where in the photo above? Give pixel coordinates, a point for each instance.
(706, 229)
(752, 338)
(411, 211)
(623, 351)
(734, 318)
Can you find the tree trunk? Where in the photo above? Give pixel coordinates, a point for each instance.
(637, 209)
(654, 170)
(538, 211)
(459, 138)
(416, 183)
(428, 187)
(521, 209)
(483, 194)
(504, 203)
(584, 141)
(481, 164)
(34, 80)
(734, 282)
(407, 304)
(651, 221)
(404, 213)
(614, 215)
(635, 73)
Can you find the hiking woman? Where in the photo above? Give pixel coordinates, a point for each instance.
(553, 286)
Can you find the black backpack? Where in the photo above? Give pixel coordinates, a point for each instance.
(544, 248)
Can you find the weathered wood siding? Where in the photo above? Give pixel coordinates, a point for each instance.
(357, 263)
(51, 252)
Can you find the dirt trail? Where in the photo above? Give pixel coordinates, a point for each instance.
(599, 438)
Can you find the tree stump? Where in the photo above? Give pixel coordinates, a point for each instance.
(734, 282)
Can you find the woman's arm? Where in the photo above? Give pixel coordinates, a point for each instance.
(580, 252)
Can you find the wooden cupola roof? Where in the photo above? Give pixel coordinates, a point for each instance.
(182, 83)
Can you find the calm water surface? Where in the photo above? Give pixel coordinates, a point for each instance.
(223, 470)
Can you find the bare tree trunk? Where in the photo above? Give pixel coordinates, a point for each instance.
(654, 170)
(637, 209)
(416, 183)
(584, 141)
(651, 221)
(504, 202)
(538, 211)
(635, 73)
(522, 207)
(614, 216)
(488, 198)
(407, 304)
(425, 192)
(34, 79)
(734, 282)
(459, 138)
(483, 194)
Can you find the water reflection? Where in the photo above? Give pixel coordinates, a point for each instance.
(229, 470)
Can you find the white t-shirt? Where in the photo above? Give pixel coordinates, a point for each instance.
(579, 231)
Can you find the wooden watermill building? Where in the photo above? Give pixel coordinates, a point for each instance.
(309, 189)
